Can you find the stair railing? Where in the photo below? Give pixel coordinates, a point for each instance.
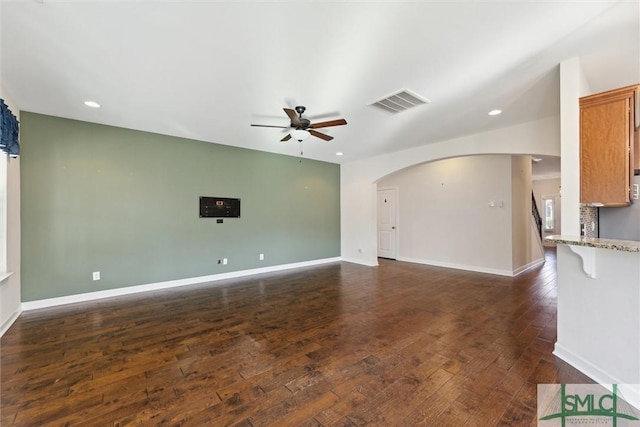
(536, 214)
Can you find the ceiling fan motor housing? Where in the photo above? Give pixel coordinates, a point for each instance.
(304, 124)
(299, 123)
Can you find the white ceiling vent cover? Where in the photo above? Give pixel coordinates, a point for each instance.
(400, 101)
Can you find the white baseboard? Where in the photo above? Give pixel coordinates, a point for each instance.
(360, 262)
(631, 392)
(458, 266)
(475, 268)
(90, 296)
(529, 266)
(5, 327)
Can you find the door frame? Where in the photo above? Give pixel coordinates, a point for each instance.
(396, 190)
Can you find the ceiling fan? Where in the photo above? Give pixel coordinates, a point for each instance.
(302, 127)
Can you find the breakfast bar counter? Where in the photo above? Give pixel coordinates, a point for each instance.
(594, 242)
(599, 309)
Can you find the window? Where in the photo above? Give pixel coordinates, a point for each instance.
(9, 147)
(549, 214)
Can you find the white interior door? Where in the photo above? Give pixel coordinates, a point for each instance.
(387, 223)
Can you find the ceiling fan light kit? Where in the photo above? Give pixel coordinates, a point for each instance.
(299, 134)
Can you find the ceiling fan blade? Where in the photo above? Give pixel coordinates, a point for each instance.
(324, 115)
(286, 138)
(295, 120)
(271, 126)
(338, 122)
(320, 135)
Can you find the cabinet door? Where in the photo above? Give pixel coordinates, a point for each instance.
(604, 151)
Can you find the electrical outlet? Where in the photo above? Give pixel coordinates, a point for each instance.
(96, 275)
(261, 257)
(224, 261)
(635, 192)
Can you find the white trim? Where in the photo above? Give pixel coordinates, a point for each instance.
(4, 275)
(90, 296)
(599, 375)
(474, 268)
(584, 366)
(3, 210)
(360, 262)
(459, 266)
(529, 266)
(5, 327)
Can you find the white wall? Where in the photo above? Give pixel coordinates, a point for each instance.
(522, 249)
(10, 300)
(444, 213)
(573, 85)
(358, 179)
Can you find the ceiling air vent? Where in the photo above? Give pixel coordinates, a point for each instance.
(400, 101)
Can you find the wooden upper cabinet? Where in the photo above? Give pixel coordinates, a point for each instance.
(607, 139)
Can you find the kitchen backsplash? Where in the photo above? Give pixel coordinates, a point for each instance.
(589, 221)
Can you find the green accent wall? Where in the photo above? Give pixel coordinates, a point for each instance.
(126, 203)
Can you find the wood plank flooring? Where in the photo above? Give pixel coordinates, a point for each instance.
(335, 345)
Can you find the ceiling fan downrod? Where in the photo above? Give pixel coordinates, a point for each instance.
(302, 122)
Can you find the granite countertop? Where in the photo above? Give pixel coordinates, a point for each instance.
(594, 242)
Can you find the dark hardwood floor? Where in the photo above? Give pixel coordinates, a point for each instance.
(335, 345)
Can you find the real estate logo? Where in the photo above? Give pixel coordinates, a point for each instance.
(584, 405)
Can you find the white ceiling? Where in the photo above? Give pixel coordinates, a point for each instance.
(207, 69)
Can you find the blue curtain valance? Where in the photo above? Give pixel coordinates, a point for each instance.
(8, 131)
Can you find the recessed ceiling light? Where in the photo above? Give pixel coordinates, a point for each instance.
(339, 153)
(92, 104)
(536, 159)
(495, 112)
